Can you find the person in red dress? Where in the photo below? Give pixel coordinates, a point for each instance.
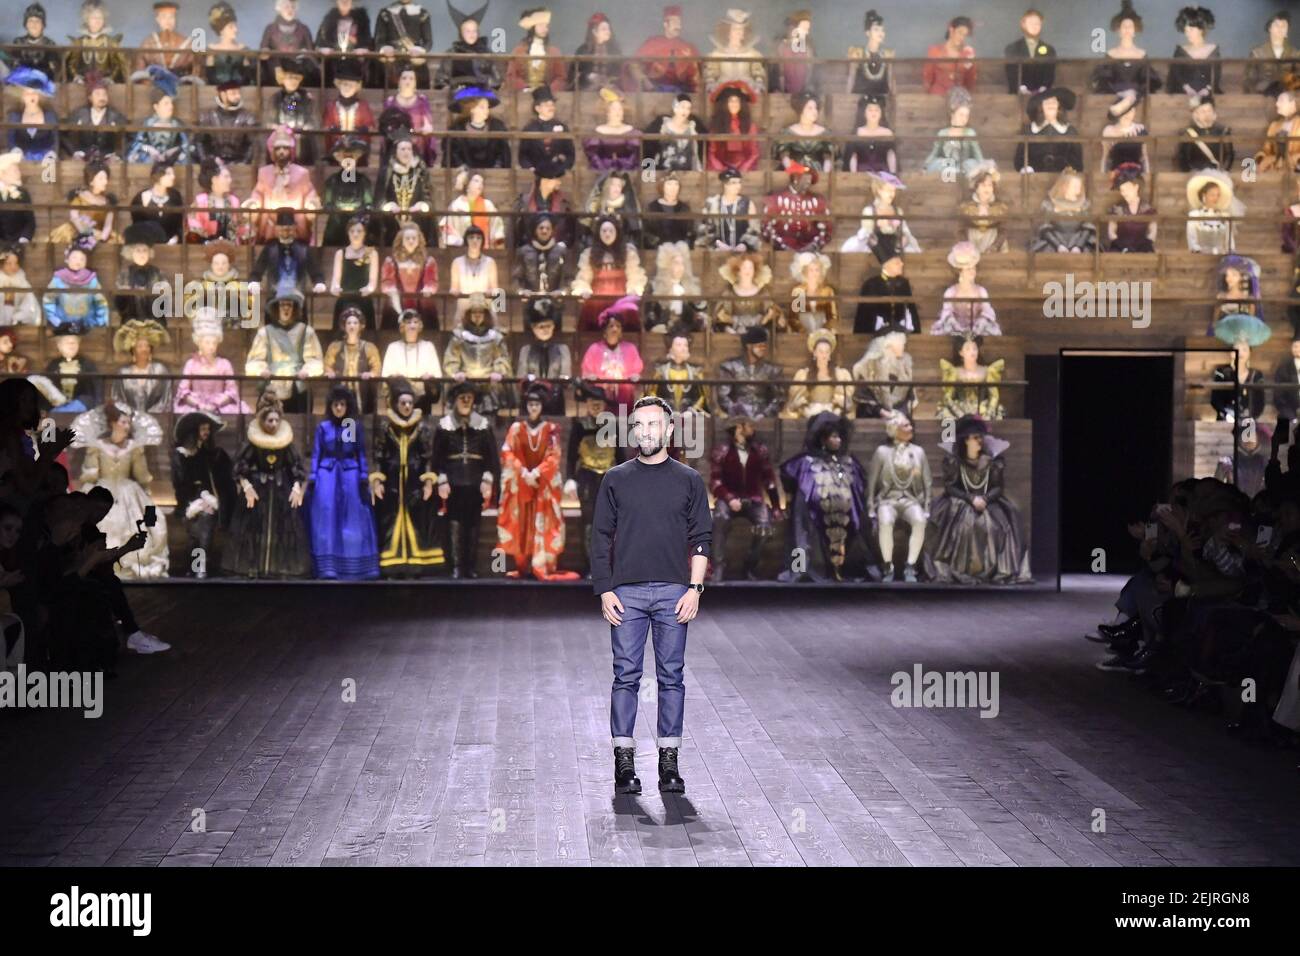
(940, 77)
(731, 116)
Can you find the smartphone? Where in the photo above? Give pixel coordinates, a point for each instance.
(1151, 531)
(1263, 535)
(149, 520)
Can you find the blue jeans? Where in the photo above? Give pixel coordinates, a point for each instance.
(648, 607)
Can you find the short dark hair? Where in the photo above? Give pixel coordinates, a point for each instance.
(966, 22)
(1283, 15)
(646, 401)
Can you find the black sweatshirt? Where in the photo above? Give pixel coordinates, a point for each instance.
(649, 519)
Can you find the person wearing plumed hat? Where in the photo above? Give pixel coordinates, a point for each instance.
(529, 70)
(1126, 135)
(203, 479)
(144, 386)
(163, 139)
(1195, 70)
(34, 123)
(482, 141)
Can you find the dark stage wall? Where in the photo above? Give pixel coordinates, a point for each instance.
(910, 29)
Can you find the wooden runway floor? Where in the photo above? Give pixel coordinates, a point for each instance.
(480, 735)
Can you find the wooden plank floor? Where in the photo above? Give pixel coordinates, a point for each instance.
(479, 736)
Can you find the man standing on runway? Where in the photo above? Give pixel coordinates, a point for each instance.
(651, 512)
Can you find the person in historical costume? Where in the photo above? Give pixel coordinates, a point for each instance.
(115, 440)
(727, 221)
(217, 396)
(806, 141)
(883, 227)
(161, 202)
(403, 36)
(812, 298)
(92, 217)
(283, 184)
(886, 281)
(1134, 227)
(137, 276)
(339, 516)
(97, 127)
(217, 215)
(952, 62)
(406, 101)
(232, 298)
(165, 48)
(1124, 138)
(483, 142)
(730, 115)
(1207, 143)
(875, 150)
(460, 74)
(966, 306)
(609, 269)
(474, 271)
(469, 468)
(354, 278)
(12, 362)
(1249, 471)
(795, 218)
(1287, 372)
(471, 208)
(899, 489)
(1215, 213)
(145, 386)
(34, 126)
(73, 303)
(542, 266)
(544, 197)
(885, 360)
(983, 213)
(284, 39)
(869, 69)
(677, 379)
(557, 147)
(409, 278)
(977, 535)
(808, 401)
(734, 55)
(33, 48)
(1195, 70)
(349, 193)
(203, 479)
(542, 358)
(670, 64)
(414, 359)
(679, 301)
(970, 387)
(614, 143)
(529, 70)
(612, 358)
(669, 216)
(1034, 66)
(1051, 142)
(956, 146)
(345, 30)
(95, 49)
(1237, 290)
(17, 217)
(477, 349)
(353, 359)
(18, 305)
(530, 521)
(1125, 65)
(1275, 63)
(285, 264)
(1063, 228)
(593, 449)
(228, 59)
(744, 485)
(233, 145)
(293, 107)
(268, 535)
(1282, 140)
(825, 491)
(748, 303)
(794, 70)
(749, 390)
(613, 195)
(1243, 333)
(73, 379)
(402, 487)
(591, 75)
(348, 114)
(286, 346)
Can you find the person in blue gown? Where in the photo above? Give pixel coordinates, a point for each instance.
(343, 540)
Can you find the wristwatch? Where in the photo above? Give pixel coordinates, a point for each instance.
(697, 588)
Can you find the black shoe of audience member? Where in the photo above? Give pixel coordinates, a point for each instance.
(1129, 630)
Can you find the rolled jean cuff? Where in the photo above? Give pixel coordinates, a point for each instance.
(663, 742)
(625, 742)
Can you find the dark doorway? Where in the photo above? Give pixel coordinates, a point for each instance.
(1116, 449)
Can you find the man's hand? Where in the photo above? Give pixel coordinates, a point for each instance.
(611, 607)
(688, 605)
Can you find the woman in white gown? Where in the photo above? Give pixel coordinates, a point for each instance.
(115, 440)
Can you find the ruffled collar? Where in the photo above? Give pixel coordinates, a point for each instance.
(1060, 127)
(417, 416)
(260, 439)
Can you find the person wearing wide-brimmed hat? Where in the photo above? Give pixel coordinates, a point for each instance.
(976, 532)
(612, 357)
(97, 133)
(1050, 142)
(286, 346)
(588, 456)
(1213, 211)
(743, 484)
(137, 275)
(749, 389)
(734, 55)
(286, 263)
(203, 479)
(17, 219)
(1134, 229)
(456, 75)
(33, 124)
(146, 387)
(468, 466)
(886, 280)
(730, 106)
(348, 192)
(482, 143)
(546, 196)
(529, 71)
(1125, 135)
(808, 401)
(234, 144)
(795, 218)
(202, 393)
